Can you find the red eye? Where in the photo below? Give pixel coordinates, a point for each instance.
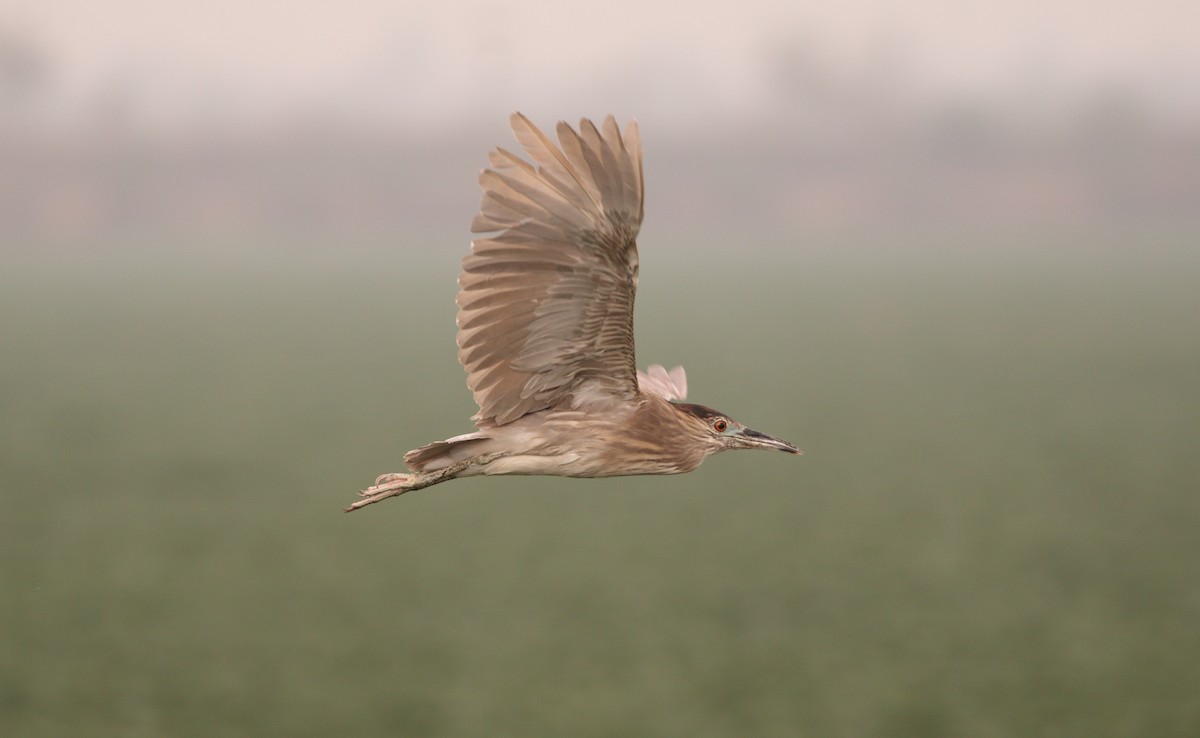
(720, 425)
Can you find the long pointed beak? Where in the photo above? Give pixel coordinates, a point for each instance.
(753, 439)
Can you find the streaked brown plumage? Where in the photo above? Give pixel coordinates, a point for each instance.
(545, 328)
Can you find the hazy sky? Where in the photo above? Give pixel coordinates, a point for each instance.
(432, 61)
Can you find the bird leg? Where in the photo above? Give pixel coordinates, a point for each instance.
(390, 485)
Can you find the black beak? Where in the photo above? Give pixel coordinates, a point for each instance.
(754, 439)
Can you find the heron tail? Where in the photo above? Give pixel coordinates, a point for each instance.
(441, 454)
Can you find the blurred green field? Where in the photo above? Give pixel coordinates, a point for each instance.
(993, 532)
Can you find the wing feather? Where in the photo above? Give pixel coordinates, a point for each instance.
(546, 301)
(670, 385)
(553, 165)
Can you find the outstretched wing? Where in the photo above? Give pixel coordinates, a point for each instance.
(670, 385)
(545, 306)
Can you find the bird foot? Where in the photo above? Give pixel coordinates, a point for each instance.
(386, 485)
(392, 477)
(390, 485)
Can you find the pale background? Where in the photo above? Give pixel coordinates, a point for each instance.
(124, 117)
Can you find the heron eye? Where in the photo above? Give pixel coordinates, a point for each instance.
(719, 425)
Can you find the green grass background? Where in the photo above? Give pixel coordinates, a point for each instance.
(995, 530)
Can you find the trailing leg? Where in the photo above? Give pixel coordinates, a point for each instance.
(391, 485)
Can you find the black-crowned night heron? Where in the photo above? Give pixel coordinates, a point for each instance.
(545, 328)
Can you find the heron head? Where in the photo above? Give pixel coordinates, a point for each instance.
(726, 433)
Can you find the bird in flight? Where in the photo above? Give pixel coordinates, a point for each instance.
(545, 328)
